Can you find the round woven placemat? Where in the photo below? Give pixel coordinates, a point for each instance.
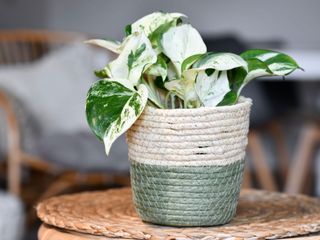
(260, 215)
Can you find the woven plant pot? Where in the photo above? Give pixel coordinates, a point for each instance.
(187, 164)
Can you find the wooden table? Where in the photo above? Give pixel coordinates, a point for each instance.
(110, 214)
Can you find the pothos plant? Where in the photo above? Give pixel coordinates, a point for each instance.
(163, 62)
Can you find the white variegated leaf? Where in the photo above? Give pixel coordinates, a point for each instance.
(188, 62)
(255, 74)
(113, 46)
(181, 42)
(158, 69)
(211, 89)
(111, 108)
(190, 74)
(266, 56)
(280, 64)
(281, 69)
(129, 114)
(184, 89)
(250, 76)
(137, 55)
(220, 62)
(256, 68)
(153, 92)
(151, 22)
(123, 81)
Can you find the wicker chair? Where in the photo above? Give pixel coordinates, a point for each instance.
(24, 46)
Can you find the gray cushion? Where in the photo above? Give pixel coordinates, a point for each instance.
(11, 217)
(84, 152)
(54, 88)
(28, 126)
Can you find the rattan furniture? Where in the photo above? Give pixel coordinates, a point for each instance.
(304, 158)
(110, 214)
(18, 47)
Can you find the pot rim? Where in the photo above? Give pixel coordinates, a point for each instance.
(243, 102)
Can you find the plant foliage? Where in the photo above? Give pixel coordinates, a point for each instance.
(163, 62)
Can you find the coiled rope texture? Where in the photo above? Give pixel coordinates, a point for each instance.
(187, 164)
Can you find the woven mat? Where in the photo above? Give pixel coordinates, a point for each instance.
(260, 215)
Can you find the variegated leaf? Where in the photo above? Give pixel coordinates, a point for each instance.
(136, 56)
(153, 21)
(267, 63)
(181, 42)
(239, 77)
(256, 68)
(153, 92)
(113, 46)
(279, 63)
(187, 63)
(211, 87)
(220, 61)
(184, 89)
(112, 108)
(229, 99)
(159, 68)
(260, 63)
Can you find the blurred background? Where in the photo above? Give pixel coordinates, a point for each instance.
(46, 147)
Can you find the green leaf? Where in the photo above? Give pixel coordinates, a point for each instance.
(229, 99)
(181, 42)
(113, 46)
(187, 63)
(153, 21)
(128, 30)
(220, 61)
(133, 56)
(236, 78)
(256, 68)
(156, 36)
(212, 89)
(103, 73)
(136, 56)
(266, 63)
(112, 108)
(279, 64)
(239, 77)
(260, 63)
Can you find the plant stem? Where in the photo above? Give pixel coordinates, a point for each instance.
(166, 100)
(185, 104)
(173, 105)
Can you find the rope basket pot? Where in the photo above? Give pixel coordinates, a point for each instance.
(187, 164)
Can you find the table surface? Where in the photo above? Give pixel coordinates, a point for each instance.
(110, 214)
(51, 233)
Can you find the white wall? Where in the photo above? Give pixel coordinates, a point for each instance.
(295, 21)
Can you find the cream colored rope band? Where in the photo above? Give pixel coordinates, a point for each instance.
(190, 137)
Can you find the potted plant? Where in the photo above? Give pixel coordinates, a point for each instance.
(187, 123)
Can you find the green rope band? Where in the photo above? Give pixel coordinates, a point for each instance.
(186, 195)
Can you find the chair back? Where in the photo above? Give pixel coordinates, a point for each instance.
(24, 46)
